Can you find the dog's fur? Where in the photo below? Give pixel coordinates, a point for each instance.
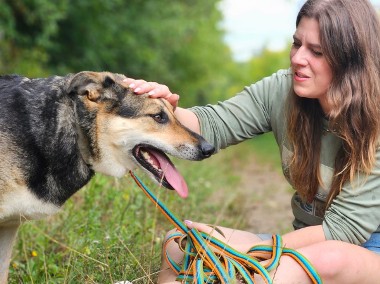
(55, 132)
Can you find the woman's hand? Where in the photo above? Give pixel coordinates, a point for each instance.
(213, 231)
(153, 89)
(156, 90)
(237, 239)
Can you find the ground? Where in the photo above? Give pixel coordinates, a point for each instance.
(265, 195)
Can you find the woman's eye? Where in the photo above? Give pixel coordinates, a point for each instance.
(317, 53)
(296, 44)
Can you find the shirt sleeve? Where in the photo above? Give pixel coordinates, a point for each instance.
(248, 114)
(355, 213)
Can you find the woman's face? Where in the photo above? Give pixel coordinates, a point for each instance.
(312, 74)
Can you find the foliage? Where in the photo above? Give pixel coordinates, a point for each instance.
(178, 43)
(26, 28)
(264, 63)
(267, 62)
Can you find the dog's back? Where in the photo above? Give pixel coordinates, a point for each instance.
(38, 147)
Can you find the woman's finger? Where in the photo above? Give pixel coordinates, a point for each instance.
(158, 90)
(208, 229)
(134, 84)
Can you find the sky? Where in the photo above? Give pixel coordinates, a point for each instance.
(252, 24)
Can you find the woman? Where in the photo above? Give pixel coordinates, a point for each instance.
(330, 99)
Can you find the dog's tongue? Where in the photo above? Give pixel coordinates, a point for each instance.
(171, 174)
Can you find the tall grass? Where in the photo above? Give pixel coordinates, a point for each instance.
(109, 231)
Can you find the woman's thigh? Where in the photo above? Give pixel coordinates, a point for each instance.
(341, 262)
(335, 261)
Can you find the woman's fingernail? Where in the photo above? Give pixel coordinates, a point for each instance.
(188, 222)
(151, 93)
(137, 90)
(132, 85)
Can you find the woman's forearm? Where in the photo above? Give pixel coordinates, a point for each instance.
(304, 237)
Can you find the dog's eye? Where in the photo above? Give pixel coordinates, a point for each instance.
(161, 117)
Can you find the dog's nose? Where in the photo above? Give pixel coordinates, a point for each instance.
(207, 149)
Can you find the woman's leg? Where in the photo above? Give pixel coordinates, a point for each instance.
(335, 261)
(341, 262)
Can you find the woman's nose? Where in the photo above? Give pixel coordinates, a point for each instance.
(298, 56)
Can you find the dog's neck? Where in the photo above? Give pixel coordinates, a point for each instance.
(83, 145)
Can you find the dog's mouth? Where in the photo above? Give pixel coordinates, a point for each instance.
(160, 166)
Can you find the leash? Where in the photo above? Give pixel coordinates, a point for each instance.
(208, 260)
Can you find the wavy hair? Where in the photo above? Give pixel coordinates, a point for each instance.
(349, 36)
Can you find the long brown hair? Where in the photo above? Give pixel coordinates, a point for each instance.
(349, 35)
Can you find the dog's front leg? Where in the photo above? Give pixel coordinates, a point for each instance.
(7, 238)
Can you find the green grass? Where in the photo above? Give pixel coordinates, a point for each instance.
(110, 231)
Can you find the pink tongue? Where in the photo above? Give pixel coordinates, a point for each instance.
(171, 174)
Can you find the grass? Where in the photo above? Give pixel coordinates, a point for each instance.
(110, 231)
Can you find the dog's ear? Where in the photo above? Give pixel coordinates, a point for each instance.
(108, 82)
(86, 84)
(93, 93)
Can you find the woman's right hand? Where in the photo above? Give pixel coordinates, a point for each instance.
(153, 89)
(156, 90)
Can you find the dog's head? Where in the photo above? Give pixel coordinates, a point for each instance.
(119, 130)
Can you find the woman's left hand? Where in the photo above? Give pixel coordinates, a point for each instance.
(239, 240)
(213, 231)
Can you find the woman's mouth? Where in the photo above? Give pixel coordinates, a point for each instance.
(300, 77)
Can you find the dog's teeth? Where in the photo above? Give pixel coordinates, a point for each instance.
(145, 155)
(149, 159)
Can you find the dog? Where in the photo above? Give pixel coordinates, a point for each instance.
(56, 132)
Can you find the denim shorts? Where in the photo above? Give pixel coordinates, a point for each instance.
(373, 244)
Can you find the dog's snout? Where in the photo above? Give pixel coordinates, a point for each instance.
(207, 149)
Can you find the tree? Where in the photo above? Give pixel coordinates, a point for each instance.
(174, 42)
(178, 43)
(26, 28)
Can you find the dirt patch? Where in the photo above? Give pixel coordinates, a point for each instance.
(265, 195)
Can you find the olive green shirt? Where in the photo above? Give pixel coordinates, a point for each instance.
(354, 214)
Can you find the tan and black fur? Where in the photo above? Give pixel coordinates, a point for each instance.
(56, 132)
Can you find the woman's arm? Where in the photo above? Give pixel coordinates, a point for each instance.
(304, 237)
(244, 240)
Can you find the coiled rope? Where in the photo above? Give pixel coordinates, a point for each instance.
(208, 260)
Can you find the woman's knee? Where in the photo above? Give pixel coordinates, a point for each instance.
(171, 247)
(329, 258)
